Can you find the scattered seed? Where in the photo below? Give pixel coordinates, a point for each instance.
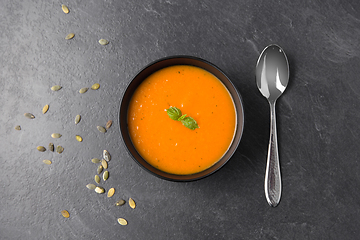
(59, 149)
(106, 175)
(83, 90)
(120, 202)
(91, 186)
(56, 88)
(108, 124)
(78, 138)
(65, 214)
(106, 155)
(132, 203)
(77, 119)
(99, 169)
(48, 162)
(29, 115)
(95, 86)
(101, 129)
(51, 147)
(111, 192)
(99, 190)
(18, 127)
(95, 160)
(41, 148)
(45, 109)
(104, 164)
(97, 179)
(56, 135)
(65, 9)
(70, 36)
(122, 221)
(103, 42)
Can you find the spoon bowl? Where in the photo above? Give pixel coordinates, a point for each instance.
(272, 72)
(272, 77)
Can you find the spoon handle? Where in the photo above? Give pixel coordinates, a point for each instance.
(272, 175)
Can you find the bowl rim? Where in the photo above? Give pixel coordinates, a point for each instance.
(187, 178)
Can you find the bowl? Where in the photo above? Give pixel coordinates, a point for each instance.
(166, 62)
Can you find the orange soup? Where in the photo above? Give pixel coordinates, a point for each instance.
(167, 144)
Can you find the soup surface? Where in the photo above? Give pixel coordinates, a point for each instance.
(167, 144)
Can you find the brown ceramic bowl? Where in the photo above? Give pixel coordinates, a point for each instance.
(166, 62)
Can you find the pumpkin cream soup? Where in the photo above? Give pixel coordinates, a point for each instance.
(169, 145)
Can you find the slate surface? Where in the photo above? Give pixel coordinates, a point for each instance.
(318, 119)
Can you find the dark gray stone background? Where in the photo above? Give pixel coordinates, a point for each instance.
(318, 119)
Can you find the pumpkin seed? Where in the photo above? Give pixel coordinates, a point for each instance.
(78, 138)
(83, 90)
(29, 115)
(91, 186)
(77, 119)
(65, 8)
(59, 149)
(56, 135)
(51, 147)
(99, 169)
(104, 164)
(111, 192)
(101, 129)
(56, 88)
(95, 160)
(41, 148)
(120, 202)
(70, 36)
(45, 109)
(95, 86)
(99, 190)
(65, 214)
(103, 42)
(106, 175)
(18, 127)
(132, 203)
(122, 221)
(106, 155)
(97, 179)
(48, 162)
(108, 124)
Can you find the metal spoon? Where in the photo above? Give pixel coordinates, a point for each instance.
(272, 77)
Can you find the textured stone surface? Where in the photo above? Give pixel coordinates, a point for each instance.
(318, 119)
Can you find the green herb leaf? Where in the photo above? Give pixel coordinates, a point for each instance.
(189, 122)
(174, 113)
(182, 117)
